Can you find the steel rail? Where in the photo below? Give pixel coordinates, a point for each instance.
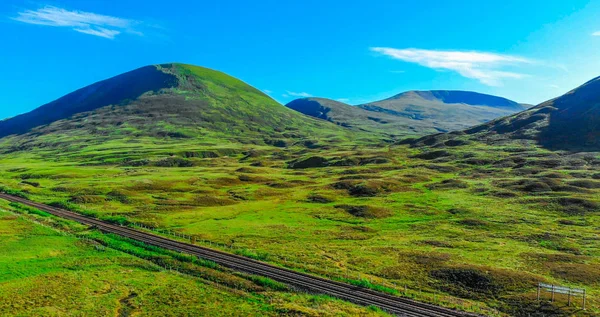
(393, 304)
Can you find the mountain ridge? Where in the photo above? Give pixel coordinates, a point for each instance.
(411, 112)
(461, 96)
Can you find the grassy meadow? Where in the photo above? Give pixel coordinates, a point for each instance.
(51, 267)
(470, 220)
(474, 227)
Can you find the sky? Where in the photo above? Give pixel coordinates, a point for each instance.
(351, 51)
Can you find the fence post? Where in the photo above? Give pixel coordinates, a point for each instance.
(538, 292)
(553, 293)
(569, 297)
(584, 299)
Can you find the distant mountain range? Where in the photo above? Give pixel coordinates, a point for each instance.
(412, 112)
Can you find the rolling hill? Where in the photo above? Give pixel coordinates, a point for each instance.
(413, 112)
(163, 102)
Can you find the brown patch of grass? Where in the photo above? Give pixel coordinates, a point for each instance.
(448, 184)
(210, 201)
(319, 198)
(253, 179)
(471, 281)
(87, 199)
(224, 181)
(436, 243)
(158, 185)
(363, 211)
(288, 184)
(585, 183)
(472, 222)
(368, 188)
(577, 206)
(577, 272)
(433, 155)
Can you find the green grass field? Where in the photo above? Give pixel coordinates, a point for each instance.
(49, 272)
(457, 228)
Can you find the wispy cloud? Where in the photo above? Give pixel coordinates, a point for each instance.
(482, 66)
(267, 91)
(84, 22)
(298, 94)
(597, 33)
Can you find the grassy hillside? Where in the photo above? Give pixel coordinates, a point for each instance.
(215, 113)
(567, 123)
(199, 103)
(412, 113)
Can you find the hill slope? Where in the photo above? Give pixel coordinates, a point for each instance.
(351, 116)
(114, 91)
(172, 101)
(570, 122)
(413, 112)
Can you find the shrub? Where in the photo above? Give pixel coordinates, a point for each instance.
(310, 162)
(365, 211)
(174, 162)
(317, 198)
(432, 155)
(448, 184)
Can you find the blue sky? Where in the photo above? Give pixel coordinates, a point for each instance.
(353, 51)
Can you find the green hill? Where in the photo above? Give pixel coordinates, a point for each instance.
(162, 103)
(570, 123)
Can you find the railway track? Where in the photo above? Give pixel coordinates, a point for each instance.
(392, 304)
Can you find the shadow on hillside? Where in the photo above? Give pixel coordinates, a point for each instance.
(113, 91)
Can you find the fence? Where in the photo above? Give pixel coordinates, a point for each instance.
(555, 289)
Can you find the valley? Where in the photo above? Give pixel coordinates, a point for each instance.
(470, 219)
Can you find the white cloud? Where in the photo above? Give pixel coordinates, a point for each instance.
(299, 94)
(485, 67)
(597, 33)
(84, 22)
(267, 91)
(102, 32)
